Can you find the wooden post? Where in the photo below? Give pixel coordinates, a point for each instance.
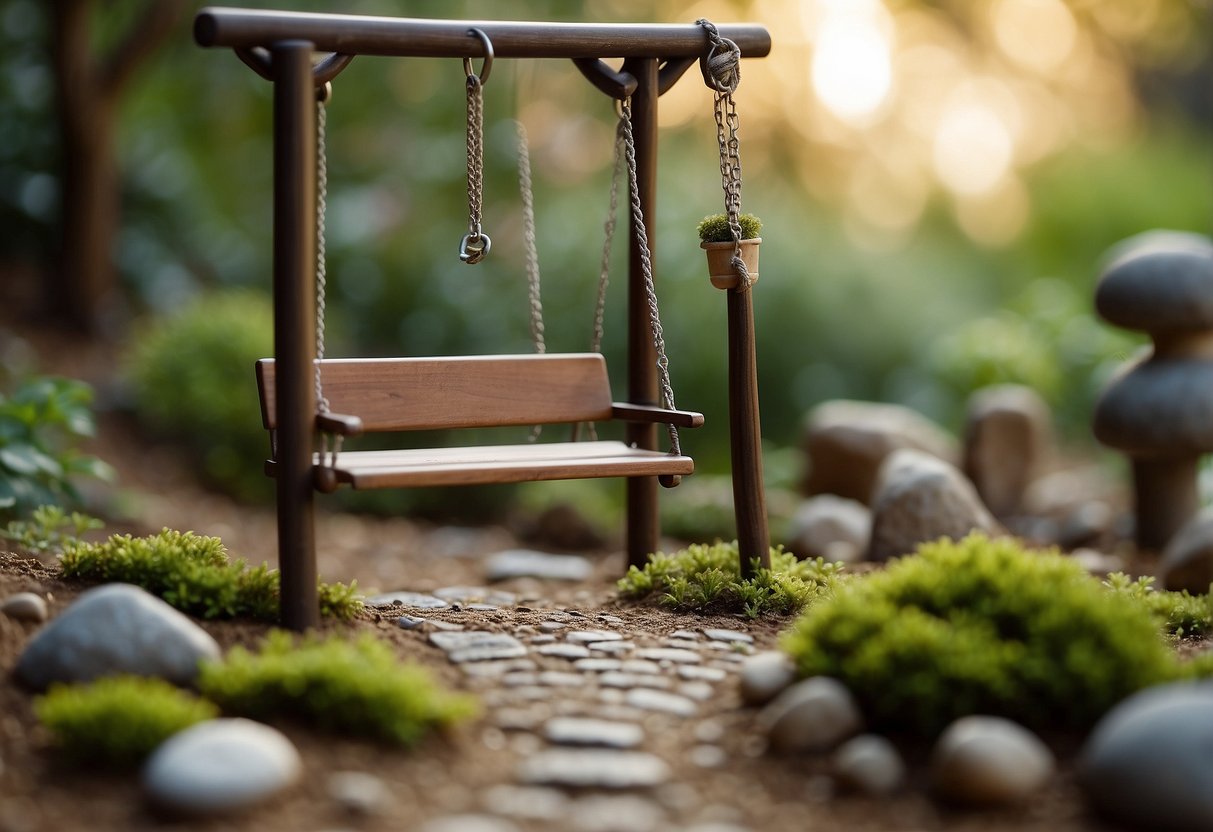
(295, 325)
(745, 434)
(643, 525)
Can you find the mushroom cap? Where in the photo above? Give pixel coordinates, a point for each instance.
(1158, 408)
(1158, 281)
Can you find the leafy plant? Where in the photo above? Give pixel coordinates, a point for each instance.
(192, 376)
(1176, 613)
(194, 574)
(118, 720)
(715, 228)
(707, 578)
(49, 529)
(348, 687)
(40, 423)
(982, 626)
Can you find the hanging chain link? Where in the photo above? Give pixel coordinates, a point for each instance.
(646, 268)
(475, 244)
(322, 186)
(722, 72)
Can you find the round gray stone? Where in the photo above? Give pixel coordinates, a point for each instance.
(25, 606)
(764, 676)
(112, 629)
(869, 764)
(831, 527)
(1187, 561)
(989, 761)
(220, 766)
(815, 714)
(404, 598)
(1149, 762)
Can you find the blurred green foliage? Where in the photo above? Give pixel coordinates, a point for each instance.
(41, 424)
(49, 529)
(922, 320)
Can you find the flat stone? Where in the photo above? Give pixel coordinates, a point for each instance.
(869, 764)
(919, 498)
(594, 768)
(404, 598)
(546, 638)
(617, 679)
(680, 643)
(695, 673)
(764, 676)
(476, 595)
(558, 679)
(539, 803)
(582, 731)
(25, 606)
(597, 665)
(623, 813)
(648, 699)
(989, 761)
(220, 766)
(609, 619)
(468, 823)
(477, 646)
(815, 714)
(729, 635)
(564, 650)
(1147, 765)
(524, 563)
(591, 636)
(689, 635)
(669, 654)
(699, 691)
(113, 629)
(492, 669)
(613, 648)
(410, 622)
(1008, 432)
(551, 626)
(359, 792)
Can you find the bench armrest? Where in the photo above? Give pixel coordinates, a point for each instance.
(339, 423)
(628, 412)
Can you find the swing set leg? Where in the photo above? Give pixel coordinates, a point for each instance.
(745, 435)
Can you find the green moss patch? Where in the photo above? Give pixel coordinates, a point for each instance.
(983, 626)
(117, 721)
(356, 688)
(707, 578)
(715, 228)
(194, 574)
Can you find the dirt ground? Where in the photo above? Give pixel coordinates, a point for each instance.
(448, 774)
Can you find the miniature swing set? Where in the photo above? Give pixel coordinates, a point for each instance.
(311, 403)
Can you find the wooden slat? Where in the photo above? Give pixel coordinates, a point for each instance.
(503, 464)
(390, 394)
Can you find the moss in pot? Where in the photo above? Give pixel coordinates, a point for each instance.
(717, 240)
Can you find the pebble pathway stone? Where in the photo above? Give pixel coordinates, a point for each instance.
(25, 606)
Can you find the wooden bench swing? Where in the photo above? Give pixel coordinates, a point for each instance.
(307, 398)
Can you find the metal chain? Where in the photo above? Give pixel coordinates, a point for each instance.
(322, 186)
(528, 237)
(722, 72)
(646, 268)
(475, 244)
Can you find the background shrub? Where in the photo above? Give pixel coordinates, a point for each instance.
(348, 687)
(982, 626)
(40, 425)
(118, 720)
(192, 378)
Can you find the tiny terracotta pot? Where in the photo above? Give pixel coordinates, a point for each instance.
(720, 262)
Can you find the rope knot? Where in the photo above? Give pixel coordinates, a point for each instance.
(721, 64)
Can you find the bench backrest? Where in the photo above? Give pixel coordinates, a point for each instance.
(391, 394)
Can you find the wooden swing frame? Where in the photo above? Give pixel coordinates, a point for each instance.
(281, 47)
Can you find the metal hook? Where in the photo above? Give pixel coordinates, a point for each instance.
(487, 66)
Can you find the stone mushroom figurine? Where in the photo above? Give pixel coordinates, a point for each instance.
(1159, 410)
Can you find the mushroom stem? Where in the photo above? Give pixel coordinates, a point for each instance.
(1166, 497)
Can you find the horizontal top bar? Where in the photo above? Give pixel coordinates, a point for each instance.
(411, 37)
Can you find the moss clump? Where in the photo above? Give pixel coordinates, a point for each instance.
(350, 687)
(707, 578)
(118, 720)
(982, 626)
(194, 574)
(1179, 614)
(715, 228)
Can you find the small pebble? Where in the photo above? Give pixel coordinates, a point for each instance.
(869, 764)
(359, 792)
(764, 676)
(590, 636)
(25, 606)
(729, 635)
(815, 714)
(409, 622)
(990, 761)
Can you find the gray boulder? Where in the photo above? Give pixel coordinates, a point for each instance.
(815, 714)
(1187, 562)
(846, 441)
(220, 766)
(1149, 762)
(1008, 432)
(989, 761)
(111, 629)
(920, 498)
(830, 527)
